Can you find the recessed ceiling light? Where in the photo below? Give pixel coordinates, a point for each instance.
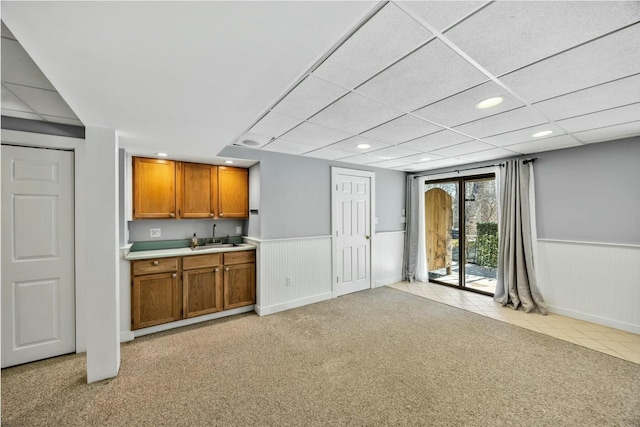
(424, 159)
(542, 133)
(489, 102)
(162, 154)
(229, 162)
(363, 146)
(250, 143)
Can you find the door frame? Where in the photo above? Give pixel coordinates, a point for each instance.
(335, 171)
(456, 175)
(76, 145)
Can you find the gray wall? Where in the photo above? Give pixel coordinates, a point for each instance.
(173, 229)
(589, 193)
(295, 194)
(253, 228)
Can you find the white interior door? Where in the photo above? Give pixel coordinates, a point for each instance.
(38, 301)
(352, 230)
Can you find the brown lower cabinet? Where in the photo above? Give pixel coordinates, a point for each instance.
(168, 289)
(202, 284)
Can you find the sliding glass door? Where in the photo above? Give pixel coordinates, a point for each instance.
(461, 231)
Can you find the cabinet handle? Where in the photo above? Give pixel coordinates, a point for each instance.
(211, 215)
(226, 269)
(156, 262)
(216, 270)
(172, 215)
(174, 275)
(221, 214)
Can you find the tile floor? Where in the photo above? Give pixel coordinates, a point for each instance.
(621, 344)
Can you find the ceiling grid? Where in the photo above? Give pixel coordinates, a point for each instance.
(384, 90)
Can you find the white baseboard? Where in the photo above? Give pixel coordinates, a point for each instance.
(263, 311)
(385, 282)
(595, 319)
(191, 321)
(126, 336)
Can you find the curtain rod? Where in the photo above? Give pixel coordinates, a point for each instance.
(524, 162)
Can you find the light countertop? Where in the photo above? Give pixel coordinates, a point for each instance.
(164, 253)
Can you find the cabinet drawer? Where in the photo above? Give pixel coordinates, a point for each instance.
(201, 261)
(242, 257)
(156, 265)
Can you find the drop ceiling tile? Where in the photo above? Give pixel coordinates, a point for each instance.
(508, 35)
(505, 122)
(436, 164)
(464, 148)
(394, 152)
(12, 102)
(350, 145)
(436, 140)
(601, 119)
(386, 37)
(273, 125)
(21, 114)
(407, 160)
(599, 61)
(401, 129)
(547, 144)
(609, 133)
(429, 74)
(442, 14)
(309, 97)
(461, 108)
(609, 95)
(287, 147)
(329, 153)
(316, 135)
(354, 113)
(21, 69)
(492, 154)
(42, 101)
(523, 135)
(362, 159)
(62, 120)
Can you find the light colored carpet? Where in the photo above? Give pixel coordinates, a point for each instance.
(379, 357)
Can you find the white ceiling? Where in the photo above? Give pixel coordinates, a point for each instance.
(318, 78)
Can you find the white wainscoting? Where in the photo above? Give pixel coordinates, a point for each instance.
(388, 250)
(306, 261)
(596, 282)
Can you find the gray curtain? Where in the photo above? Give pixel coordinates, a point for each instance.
(411, 234)
(517, 284)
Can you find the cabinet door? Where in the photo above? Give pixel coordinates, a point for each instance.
(239, 285)
(202, 290)
(198, 194)
(155, 299)
(154, 192)
(233, 192)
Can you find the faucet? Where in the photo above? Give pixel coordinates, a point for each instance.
(213, 239)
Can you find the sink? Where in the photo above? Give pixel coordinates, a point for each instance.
(215, 246)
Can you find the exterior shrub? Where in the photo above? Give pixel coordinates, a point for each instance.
(487, 244)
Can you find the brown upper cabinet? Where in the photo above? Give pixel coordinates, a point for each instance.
(171, 189)
(197, 191)
(154, 188)
(233, 192)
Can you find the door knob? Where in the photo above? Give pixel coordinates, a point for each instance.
(211, 215)
(156, 262)
(367, 237)
(174, 275)
(216, 270)
(226, 269)
(172, 215)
